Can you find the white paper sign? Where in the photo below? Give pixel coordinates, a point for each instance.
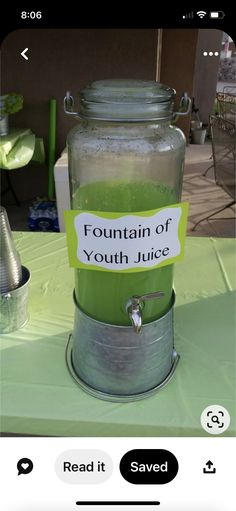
(128, 242)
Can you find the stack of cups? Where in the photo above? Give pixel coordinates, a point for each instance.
(14, 280)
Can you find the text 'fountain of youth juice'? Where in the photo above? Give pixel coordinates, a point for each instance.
(125, 168)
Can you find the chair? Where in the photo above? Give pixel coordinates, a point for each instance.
(223, 150)
(226, 108)
(226, 103)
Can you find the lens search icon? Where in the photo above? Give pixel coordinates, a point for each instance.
(24, 466)
(215, 419)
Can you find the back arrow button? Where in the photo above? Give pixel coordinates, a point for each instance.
(23, 53)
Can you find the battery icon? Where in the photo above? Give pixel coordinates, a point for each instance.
(217, 15)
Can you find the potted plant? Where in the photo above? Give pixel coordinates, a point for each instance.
(9, 104)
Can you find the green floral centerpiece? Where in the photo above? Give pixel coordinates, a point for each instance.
(9, 104)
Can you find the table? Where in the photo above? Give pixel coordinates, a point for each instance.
(62, 189)
(39, 396)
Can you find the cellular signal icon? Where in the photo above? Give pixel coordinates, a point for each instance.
(190, 15)
(201, 14)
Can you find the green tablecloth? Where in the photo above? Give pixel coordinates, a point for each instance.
(40, 397)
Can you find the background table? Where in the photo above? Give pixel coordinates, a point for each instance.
(40, 397)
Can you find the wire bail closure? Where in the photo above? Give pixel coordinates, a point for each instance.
(184, 106)
(69, 104)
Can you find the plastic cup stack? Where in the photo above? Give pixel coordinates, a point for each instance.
(10, 264)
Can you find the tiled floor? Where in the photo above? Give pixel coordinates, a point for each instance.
(203, 195)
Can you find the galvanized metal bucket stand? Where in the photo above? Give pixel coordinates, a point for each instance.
(14, 305)
(114, 363)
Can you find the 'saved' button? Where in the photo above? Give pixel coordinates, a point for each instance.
(149, 466)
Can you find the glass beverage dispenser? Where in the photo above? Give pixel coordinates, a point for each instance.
(125, 157)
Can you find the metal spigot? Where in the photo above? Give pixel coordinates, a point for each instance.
(134, 311)
(134, 308)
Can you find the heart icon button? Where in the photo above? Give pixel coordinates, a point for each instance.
(24, 466)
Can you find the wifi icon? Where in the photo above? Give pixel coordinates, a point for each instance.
(201, 14)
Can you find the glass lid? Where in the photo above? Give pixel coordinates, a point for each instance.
(127, 100)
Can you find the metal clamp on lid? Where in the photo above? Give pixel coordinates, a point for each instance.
(69, 104)
(184, 106)
(134, 308)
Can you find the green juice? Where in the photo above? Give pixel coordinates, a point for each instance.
(103, 295)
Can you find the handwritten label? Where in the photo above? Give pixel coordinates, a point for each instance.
(126, 241)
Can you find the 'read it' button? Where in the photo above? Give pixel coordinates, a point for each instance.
(149, 466)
